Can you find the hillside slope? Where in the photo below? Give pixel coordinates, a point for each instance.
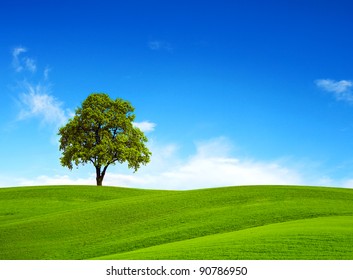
(251, 222)
(317, 238)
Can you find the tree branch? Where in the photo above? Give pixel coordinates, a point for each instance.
(104, 169)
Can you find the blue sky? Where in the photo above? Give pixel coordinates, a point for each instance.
(228, 92)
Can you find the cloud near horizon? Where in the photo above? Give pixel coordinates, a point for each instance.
(212, 165)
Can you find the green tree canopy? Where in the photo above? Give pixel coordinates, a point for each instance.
(102, 133)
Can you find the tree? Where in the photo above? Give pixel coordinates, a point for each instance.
(102, 133)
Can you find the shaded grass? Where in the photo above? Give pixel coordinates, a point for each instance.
(81, 222)
(317, 238)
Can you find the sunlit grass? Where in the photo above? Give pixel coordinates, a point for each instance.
(254, 222)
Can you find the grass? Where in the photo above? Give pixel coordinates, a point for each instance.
(250, 222)
(318, 238)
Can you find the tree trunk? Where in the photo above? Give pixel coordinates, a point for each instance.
(100, 175)
(99, 180)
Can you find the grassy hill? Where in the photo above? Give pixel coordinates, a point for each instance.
(250, 222)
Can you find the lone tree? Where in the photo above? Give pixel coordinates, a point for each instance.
(102, 133)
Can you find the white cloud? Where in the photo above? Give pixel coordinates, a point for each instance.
(333, 86)
(346, 183)
(22, 63)
(145, 126)
(17, 51)
(55, 180)
(36, 101)
(157, 45)
(46, 73)
(218, 147)
(15, 58)
(212, 165)
(30, 64)
(340, 89)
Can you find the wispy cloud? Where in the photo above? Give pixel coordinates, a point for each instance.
(157, 45)
(15, 58)
(46, 73)
(30, 64)
(36, 101)
(17, 51)
(145, 126)
(342, 90)
(20, 62)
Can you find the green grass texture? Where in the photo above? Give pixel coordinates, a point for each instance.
(247, 223)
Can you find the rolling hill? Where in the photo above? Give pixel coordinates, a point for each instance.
(248, 222)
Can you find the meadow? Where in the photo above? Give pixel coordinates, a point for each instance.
(243, 222)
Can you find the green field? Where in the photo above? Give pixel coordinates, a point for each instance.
(250, 222)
